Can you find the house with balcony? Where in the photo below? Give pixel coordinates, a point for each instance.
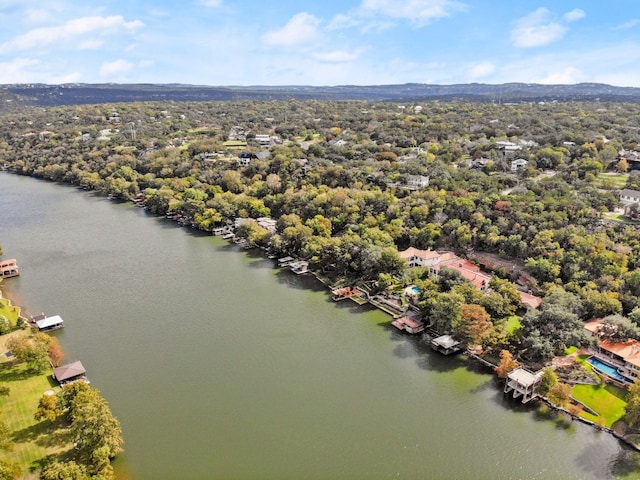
(622, 356)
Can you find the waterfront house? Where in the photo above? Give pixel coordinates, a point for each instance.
(9, 268)
(420, 258)
(70, 372)
(436, 261)
(338, 294)
(522, 383)
(50, 323)
(623, 356)
(446, 345)
(408, 323)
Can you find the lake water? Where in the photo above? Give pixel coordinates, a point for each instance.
(220, 366)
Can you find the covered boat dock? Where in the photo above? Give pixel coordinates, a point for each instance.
(70, 372)
(50, 323)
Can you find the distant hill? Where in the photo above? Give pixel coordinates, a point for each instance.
(16, 95)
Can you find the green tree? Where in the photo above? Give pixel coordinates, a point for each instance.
(9, 470)
(548, 381)
(49, 408)
(443, 310)
(553, 327)
(93, 425)
(32, 350)
(64, 471)
(618, 328)
(632, 410)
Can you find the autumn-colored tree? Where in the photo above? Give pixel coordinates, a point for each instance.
(560, 394)
(31, 349)
(49, 408)
(9, 470)
(55, 352)
(474, 324)
(507, 364)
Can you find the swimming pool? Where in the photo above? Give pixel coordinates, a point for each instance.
(607, 369)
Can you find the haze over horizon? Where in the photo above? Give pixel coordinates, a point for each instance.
(362, 42)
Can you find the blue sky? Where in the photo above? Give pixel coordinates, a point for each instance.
(355, 42)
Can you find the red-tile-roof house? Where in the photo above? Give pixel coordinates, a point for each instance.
(625, 356)
(409, 324)
(420, 258)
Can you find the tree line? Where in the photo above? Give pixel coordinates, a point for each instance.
(337, 181)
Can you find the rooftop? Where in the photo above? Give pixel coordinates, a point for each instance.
(69, 371)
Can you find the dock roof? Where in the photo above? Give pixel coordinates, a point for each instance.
(524, 377)
(49, 322)
(68, 371)
(445, 341)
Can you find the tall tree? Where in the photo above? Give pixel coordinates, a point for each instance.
(93, 425)
(506, 365)
(632, 410)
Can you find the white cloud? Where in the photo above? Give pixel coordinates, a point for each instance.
(342, 21)
(577, 65)
(301, 29)
(338, 56)
(536, 30)
(17, 71)
(70, 32)
(627, 25)
(116, 68)
(90, 44)
(28, 70)
(210, 3)
(35, 16)
(573, 15)
(564, 76)
(481, 70)
(418, 12)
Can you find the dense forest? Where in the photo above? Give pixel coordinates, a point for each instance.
(352, 183)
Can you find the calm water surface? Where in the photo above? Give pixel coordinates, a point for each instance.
(219, 366)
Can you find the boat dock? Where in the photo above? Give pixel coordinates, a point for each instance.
(9, 268)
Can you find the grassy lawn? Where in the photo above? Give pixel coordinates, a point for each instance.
(512, 324)
(614, 181)
(617, 217)
(10, 312)
(606, 400)
(32, 441)
(235, 144)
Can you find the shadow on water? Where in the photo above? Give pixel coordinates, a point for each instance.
(436, 362)
(625, 464)
(301, 282)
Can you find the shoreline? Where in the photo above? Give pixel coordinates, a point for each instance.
(325, 281)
